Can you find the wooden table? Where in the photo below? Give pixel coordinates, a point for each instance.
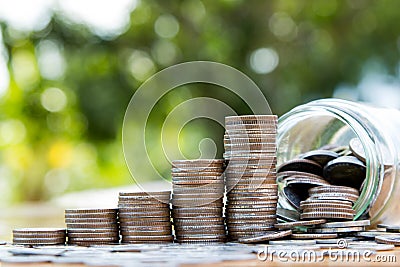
(376, 260)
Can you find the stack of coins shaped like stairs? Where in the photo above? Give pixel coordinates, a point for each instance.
(144, 217)
(197, 200)
(252, 192)
(92, 226)
(39, 236)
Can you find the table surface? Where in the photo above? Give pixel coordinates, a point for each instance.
(51, 215)
(382, 258)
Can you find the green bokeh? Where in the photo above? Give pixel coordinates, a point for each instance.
(49, 147)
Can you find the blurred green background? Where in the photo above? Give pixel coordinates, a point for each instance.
(68, 69)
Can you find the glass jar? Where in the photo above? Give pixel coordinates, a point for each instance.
(334, 121)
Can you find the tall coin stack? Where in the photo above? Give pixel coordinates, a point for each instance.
(198, 190)
(92, 226)
(252, 192)
(144, 217)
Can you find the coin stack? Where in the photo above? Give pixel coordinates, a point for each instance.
(87, 227)
(198, 190)
(144, 217)
(329, 202)
(297, 176)
(330, 164)
(342, 228)
(252, 192)
(39, 236)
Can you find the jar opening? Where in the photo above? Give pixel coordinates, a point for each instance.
(309, 127)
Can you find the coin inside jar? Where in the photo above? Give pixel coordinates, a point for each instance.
(346, 171)
(302, 165)
(322, 157)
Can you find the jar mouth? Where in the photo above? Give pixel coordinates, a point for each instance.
(332, 121)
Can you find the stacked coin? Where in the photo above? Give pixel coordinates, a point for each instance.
(39, 236)
(252, 192)
(329, 202)
(337, 165)
(144, 217)
(347, 228)
(198, 190)
(296, 185)
(92, 226)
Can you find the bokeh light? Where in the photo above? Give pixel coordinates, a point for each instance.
(283, 26)
(68, 69)
(166, 26)
(264, 60)
(11, 132)
(26, 15)
(53, 99)
(50, 59)
(105, 18)
(140, 65)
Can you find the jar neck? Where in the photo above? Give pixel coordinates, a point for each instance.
(357, 118)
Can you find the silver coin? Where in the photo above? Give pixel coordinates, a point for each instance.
(384, 226)
(370, 246)
(288, 215)
(327, 215)
(335, 240)
(290, 225)
(393, 228)
(345, 224)
(273, 119)
(92, 225)
(372, 234)
(93, 230)
(292, 242)
(334, 196)
(392, 239)
(328, 209)
(333, 189)
(249, 228)
(39, 230)
(337, 230)
(336, 202)
(198, 162)
(90, 220)
(84, 211)
(266, 237)
(322, 157)
(314, 235)
(326, 204)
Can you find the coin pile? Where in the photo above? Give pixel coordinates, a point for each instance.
(390, 235)
(252, 192)
(326, 167)
(144, 217)
(388, 239)
(39, 236)
(321, 229)
(197, 200)
(347, 228)
(87, 227)
(329, 202)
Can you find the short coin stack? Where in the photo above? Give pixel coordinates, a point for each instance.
(144, 217)
(252, 192)
(39, 236)
(329, 202)
(198, 190)
(92, 226)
